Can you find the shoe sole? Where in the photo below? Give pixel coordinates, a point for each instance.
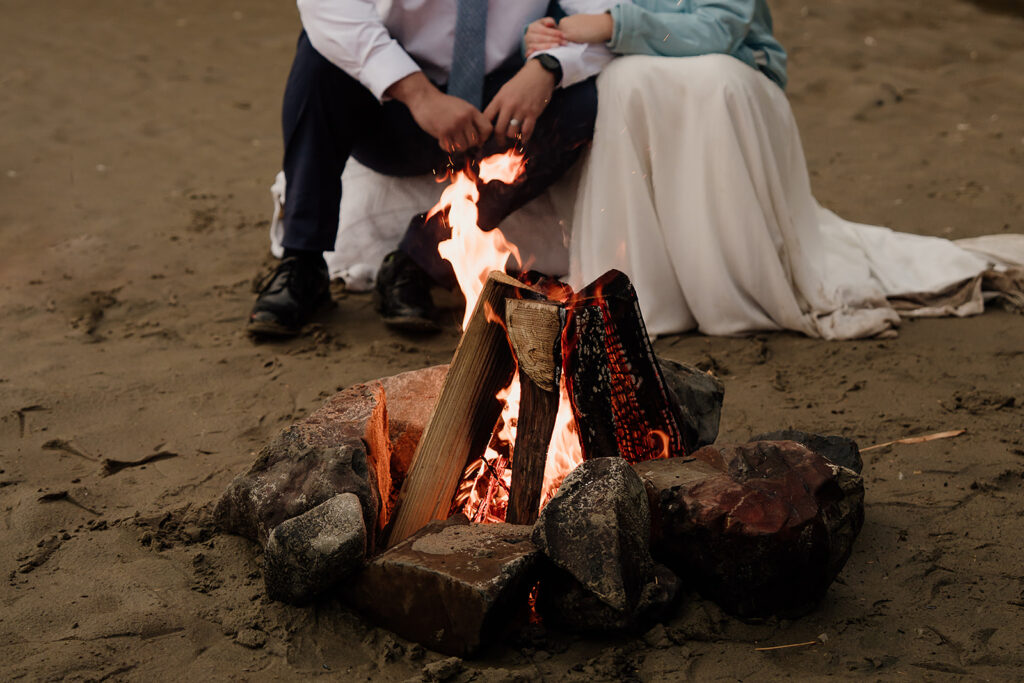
(271, 328)
(268, 328)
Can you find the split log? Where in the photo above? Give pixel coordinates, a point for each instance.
(466, 411)
(619, 396)
(535, 331)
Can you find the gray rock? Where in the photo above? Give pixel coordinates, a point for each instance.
(837, 449)
(442, 670)
(597, 529)
(312, 553)
(251, 638)
(700, 397)
(291, 477)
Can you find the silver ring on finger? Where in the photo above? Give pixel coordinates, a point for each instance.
(514, 123)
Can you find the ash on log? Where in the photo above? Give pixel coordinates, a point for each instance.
(619, 397)
(465, 413)
(535, 331)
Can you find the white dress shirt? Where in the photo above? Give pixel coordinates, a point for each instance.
(379, 42)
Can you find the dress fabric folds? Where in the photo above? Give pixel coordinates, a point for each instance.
(697, 188)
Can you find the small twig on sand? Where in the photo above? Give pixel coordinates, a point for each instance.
(785, 647)
(917, 439)
(111, 466)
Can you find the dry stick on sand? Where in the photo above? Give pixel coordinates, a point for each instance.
(785, 647)
(916, 439)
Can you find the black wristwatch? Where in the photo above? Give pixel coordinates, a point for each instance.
(552, 65)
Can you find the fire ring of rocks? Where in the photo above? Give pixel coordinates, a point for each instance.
(594, 505)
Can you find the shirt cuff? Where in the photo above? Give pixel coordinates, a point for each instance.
(385, 67)
(579, 61)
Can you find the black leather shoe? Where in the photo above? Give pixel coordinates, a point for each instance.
(289, 297)
(403, 295)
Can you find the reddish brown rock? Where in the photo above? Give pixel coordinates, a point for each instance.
(450, 587)
(763, 528)
(410, 399)
(346, 446)
(358, 412)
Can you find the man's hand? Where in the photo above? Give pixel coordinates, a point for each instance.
(543, 34)
(520, 102)
(457, 124)
(587, 28)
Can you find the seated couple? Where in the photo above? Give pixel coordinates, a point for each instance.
(695, 186)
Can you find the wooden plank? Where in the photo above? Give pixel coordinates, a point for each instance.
(465, 412)
(535, 332)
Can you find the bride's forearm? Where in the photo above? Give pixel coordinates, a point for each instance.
(587, 28)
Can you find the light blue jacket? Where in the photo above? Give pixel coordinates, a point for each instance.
(686, 28)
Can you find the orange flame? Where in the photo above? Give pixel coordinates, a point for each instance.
(473, 252)
(483, 493)
(654, 438)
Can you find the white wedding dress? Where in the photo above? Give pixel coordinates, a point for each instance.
(697, 188)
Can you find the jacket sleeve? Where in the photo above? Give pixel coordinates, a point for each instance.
(351, 35)
(579, 61)
(714, 26)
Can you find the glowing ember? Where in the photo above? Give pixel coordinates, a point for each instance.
(483, 494)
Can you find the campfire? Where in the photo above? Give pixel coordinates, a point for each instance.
(551, 359)
(556, 463)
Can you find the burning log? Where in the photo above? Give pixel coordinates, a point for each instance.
(466, 411)
(534, 330)
(618, 394)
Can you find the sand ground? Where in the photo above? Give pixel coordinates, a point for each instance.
(138, 142)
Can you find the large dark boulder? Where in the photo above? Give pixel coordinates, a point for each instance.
(597, 528)
(761, 528)
(595, 532)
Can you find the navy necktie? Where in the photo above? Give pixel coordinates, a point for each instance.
(468, 54)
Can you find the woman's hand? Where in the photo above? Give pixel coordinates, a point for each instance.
(542, 35)
(587, 28)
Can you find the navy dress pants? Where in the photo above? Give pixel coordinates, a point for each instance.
(329, 116)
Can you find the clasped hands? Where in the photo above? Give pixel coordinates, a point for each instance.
(458, 126)
(546, 33)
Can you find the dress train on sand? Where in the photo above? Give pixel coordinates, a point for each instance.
(697, 188)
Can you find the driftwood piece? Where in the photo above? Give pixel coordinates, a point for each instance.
(619, 397)
(465, 412)
(534, 330)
